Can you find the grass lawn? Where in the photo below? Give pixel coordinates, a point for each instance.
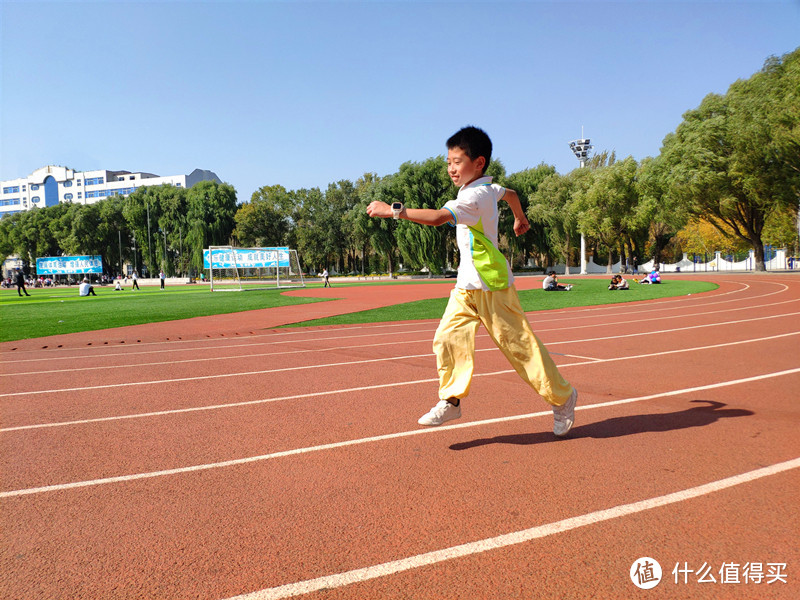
(587, 292)
(52, 311)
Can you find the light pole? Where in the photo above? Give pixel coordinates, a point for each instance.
(582, 149)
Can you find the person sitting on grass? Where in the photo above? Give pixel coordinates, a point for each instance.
(653, 277)
(618, 282)
(550, 284)
(118, 286)
(85, 289)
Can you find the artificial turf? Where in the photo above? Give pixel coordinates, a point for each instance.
(59, 310)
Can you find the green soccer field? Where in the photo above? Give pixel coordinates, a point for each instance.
(52, 311)
(586, 292)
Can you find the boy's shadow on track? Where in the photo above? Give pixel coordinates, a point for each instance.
(696, 416)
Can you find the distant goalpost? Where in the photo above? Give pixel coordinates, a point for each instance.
(233, 269)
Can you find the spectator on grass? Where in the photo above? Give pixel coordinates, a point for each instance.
(653, 277)
(162, 277)
(325, 278)
(618, 282)
(135, 278)
(118, 286)
(550, 284)
(85, 289)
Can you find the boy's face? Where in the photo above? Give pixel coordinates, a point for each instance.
(462, 169)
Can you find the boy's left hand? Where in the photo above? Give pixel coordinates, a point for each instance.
(379, 209)
(521, 225)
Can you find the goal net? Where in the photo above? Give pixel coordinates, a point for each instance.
(237, 269)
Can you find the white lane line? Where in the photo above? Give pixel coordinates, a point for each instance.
(315, 340)
(511, 539)
(573, 314)
(482, 334)
(221, 358)
(377, 438)
(317, 335)
(587, 361)
(392, 358)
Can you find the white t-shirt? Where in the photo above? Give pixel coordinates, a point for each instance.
(84, 289)
(548, 281)
(475, 214)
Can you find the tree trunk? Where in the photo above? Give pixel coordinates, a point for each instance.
(758, 249)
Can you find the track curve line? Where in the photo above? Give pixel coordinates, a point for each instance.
(377, 438)
(375, 360)
(338, 580)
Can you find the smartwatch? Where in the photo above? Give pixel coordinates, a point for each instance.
(397, 208)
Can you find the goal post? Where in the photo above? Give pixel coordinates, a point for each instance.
(238, 269)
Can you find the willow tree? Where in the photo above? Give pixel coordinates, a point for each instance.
(423, 185)
(734, 159)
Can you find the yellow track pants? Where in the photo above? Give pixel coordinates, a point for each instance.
(502, 315)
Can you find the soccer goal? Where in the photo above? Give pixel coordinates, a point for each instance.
(232, 269)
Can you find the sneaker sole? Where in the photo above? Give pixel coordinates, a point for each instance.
(572, 420)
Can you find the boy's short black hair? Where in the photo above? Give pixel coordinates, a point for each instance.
(474, 142)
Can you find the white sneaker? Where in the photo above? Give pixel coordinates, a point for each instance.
(564, 416)
(569, 287)
(442, 412)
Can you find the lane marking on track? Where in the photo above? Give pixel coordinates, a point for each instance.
(481, 335)
(220, 358)
(587, 361)
(377, 438)
(387, 359)
(316, 338)
(339, 580)
(573, 314)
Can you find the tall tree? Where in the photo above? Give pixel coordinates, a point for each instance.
(607, 208)
(376, 234)
(658, 215)
(268, 219)
(211, 208)
(526, 183)
(311, 211)
(725, 158)
(423, 185)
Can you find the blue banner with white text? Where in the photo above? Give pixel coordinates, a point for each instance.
(69, 265)
(246, 258)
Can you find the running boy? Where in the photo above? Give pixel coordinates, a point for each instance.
(484, 291)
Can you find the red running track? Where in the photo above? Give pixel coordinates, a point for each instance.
(284, 463)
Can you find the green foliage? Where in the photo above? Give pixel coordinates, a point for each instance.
(733, 160)
(525, 183)
(552, 211)
(423, 185)
(267, 219)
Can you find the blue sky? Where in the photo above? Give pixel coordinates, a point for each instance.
(304, 94)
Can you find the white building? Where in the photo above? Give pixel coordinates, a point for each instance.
(50, 185)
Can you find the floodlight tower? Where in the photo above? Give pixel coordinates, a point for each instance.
(582, 149)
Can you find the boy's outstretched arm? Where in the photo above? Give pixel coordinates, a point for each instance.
(423, 216)
(521, 224)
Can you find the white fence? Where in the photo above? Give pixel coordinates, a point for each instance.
(779, 263)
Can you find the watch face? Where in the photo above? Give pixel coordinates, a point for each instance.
(397, 206)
